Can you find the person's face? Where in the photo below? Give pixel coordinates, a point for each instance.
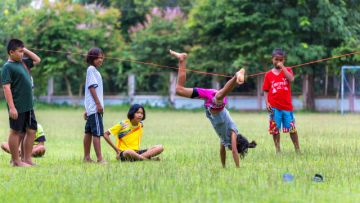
(278, 59)
(17, 54)
(99, 60)
(139, 115)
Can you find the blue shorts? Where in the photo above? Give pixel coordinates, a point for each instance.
(281, 119)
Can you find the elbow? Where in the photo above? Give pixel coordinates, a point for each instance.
(37, 61)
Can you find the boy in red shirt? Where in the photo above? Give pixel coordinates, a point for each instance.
(277, 93)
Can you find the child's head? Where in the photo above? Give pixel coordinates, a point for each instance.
(243, 145)
(15, 49)
(95, 57)
(278, 56)
(136, 112)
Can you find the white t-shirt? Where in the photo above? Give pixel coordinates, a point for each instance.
(93, 79)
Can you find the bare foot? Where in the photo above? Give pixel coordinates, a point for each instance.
(240, 76)
(30, 163)
(88, 160)
(19, 164)
(155, 159)
(180, 56)
(102, 162)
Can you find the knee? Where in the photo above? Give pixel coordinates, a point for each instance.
(128, 153)
(39, 151)
(159, 148)
(179, 89)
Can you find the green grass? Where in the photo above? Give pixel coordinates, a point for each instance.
(190, 169)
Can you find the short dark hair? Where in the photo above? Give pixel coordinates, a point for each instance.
(278, 52)
(133, 109)
(14, 44)
(93, 54)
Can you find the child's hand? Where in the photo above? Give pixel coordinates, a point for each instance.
(118, 155)
(280, 65)
(99, 108)
(269, 108)
(13, 113)
(85, 116)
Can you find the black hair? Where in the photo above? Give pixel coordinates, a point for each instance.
(93, 54)
(133, 109)
(278, 52)
(243, 145)
(14, 44)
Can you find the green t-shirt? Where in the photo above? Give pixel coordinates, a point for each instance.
(15, 74)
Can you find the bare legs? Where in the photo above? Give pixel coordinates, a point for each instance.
(87, 147)
(148, 155)
(294, 139)
(181, 90)
(14, 142)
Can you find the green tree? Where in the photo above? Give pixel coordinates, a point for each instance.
(151, 41)
(73, 29)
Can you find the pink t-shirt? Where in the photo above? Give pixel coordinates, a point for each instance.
(208, 95)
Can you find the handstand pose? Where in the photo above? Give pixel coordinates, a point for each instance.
(215, 101)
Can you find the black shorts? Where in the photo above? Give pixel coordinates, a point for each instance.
(94, 125)
(25, 120)
(195, 93)
(122, 158)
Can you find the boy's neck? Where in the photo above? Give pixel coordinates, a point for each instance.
(134, 123)
(11, 60)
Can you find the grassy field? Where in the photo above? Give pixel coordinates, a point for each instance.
(190, 169)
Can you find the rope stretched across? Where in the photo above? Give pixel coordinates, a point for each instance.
(197, 71)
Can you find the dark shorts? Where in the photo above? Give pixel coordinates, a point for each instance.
(122, 158)
(94, 125)
(25, 120)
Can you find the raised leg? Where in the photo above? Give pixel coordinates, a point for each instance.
(230, 85)
(181, 90)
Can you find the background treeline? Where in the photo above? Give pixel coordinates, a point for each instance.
(219, 36)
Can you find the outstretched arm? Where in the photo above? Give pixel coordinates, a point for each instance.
(108, 140)
(222, 155)
(230, 85)
(234, 149)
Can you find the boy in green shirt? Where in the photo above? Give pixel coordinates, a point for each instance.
(17, 86)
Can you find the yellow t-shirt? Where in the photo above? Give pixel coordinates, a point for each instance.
(127, 136)
(40, 135)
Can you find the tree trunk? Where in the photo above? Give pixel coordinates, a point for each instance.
(50, 89)
(308, 92)
(172, 89)
(215, 82)
(326, 80)
(81, 89)
(68, 86)
(259, 84)
(131, 87)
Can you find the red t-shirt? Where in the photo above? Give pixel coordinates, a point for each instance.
(279, 90)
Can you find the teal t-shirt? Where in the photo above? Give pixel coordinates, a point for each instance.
(15, 74)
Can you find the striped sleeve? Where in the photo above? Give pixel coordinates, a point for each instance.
(91, 80)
